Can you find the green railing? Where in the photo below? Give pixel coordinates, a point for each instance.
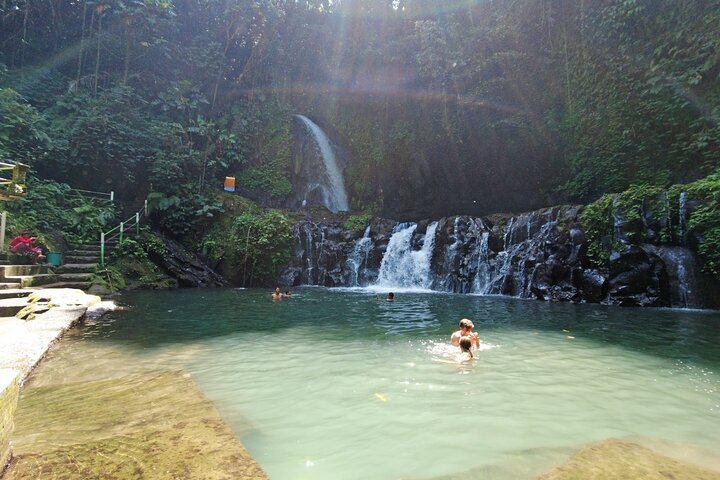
(119, 231)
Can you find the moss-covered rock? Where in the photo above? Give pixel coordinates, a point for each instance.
(9, 391)
(141, 427)
(619, 460)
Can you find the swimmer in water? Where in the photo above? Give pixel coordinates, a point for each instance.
(391, 297)
(466, 327)
(466, 354)
(277, 294)
(465, 343)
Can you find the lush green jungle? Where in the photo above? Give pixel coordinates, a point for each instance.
(452, 107)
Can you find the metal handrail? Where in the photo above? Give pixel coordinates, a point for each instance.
(122, 227)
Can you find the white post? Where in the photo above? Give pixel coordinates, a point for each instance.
(112, 196)
(102, 248)
(137, 223)
(3, 221)
(146, 207)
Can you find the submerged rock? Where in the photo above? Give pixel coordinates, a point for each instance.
(143, 427)
(619, 460)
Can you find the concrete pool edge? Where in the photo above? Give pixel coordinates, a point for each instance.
(24, 343)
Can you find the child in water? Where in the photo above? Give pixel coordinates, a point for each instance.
(466, 354)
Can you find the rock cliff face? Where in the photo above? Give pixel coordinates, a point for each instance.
(186, 268)
(541, 254)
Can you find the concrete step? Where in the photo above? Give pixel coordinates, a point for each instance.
(77, 268)
(9, 286)
(74, 259)
(7, 271)
(14, 292)
(33, 280)
(74, 277)
(78, 285)
(10, 306)
(83, 251)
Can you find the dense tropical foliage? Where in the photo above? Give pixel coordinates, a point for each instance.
(473, 106)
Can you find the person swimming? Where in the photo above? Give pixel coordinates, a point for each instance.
(466, 354)
(466, 326)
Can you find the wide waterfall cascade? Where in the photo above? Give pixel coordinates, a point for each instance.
(358, 259)
(330, 182)
(533, 255)
(404, 267)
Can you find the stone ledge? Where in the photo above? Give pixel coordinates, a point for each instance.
(9, 392)
(25, 339)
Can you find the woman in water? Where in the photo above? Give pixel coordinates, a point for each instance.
(465, 349)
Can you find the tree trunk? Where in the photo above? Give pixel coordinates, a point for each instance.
(24, 33)
(126, 67)
(247, 245)
(82, 47)
(97, 55)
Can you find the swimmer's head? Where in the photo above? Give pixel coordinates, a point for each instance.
(466, 324)
(465, 343)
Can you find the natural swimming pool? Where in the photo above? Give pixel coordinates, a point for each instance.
(342, 384)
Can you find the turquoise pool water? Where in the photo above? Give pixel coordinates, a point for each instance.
(337, 384)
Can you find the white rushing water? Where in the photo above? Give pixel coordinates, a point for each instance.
(404, 267)
(357, 260)
(330, 181)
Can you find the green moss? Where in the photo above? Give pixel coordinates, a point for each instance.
(271, 177)
(704, 221)
(143, 426)
(269, 170)
(129, 265)
(251, 241)
(8, 404)
(638, 198)
(597, 222)
(619, 460)
(357, 223)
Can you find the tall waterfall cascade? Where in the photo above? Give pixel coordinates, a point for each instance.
(328, 179)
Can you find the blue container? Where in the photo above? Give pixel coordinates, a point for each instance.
(54, 258)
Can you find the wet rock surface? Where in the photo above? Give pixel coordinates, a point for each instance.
(187, 269)
(541, 254)
(620, 460)
(155, 426)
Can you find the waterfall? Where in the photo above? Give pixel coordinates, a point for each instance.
(357, 259)
(481, 283)
(404, 267)
(330, 182)
(682, 275)
(682, 216)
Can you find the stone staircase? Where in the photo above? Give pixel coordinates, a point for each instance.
(79, 265)
(76, 272)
